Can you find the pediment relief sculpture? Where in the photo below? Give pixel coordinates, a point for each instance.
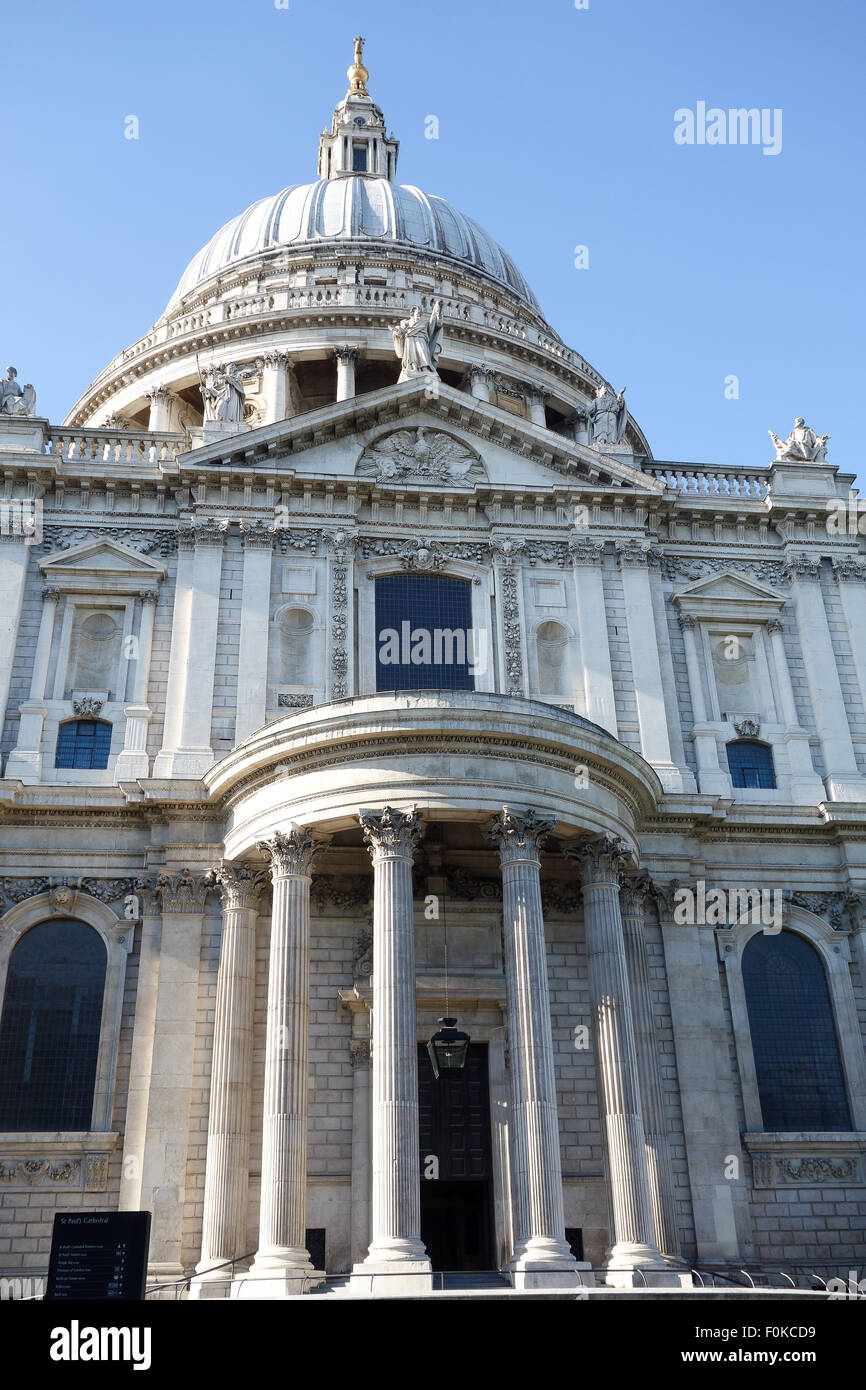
(422, 454)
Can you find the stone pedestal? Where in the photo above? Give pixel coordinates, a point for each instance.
(541, 1258)
(396, 1252)
(282, 1264)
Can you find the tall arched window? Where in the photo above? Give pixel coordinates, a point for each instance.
(794, 1044)
(83, 743)
(751, 764)
(49, 1028)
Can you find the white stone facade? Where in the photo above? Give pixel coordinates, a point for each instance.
(210, 594)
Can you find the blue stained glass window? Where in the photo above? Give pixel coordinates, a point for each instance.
(83, 743)
(424, 636)
(794, 1043)
(751, 764)
(49, 1030)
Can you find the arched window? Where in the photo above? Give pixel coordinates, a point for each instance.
(83, 743)
(424, 634)
(553, 673)
(794, 1044)
(49, 1029)
(751, 764)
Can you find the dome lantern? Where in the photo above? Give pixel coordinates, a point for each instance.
(357, 143)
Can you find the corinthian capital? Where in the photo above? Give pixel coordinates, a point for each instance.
(291, 853)
(602, 858)
(237, 885)
(183, 892)
(633, 893)
(518, 834)
(391, 832)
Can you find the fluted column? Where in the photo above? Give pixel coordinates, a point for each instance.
(282, 1263)
(228, 1140)
(541, 1254)
(396, 1243)
(346, 359)
(633, 904)
(602, 858)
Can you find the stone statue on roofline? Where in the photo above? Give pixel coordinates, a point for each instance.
(16, 399)
(224, 395)
(802, 444)
(603, 421)
(418, 342)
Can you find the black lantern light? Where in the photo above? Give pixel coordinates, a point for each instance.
(447, 1049)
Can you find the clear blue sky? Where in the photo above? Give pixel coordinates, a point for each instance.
(556, 129)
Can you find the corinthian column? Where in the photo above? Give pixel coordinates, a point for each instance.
(541, 1255)
(396, 1246)
(282, 1264)
(633, 903)
(602, 858)
(228, 1140)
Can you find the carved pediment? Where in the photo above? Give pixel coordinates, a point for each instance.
(423, 454)
(727, 591)
(102, 562)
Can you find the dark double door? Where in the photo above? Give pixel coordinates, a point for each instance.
(454, 1134)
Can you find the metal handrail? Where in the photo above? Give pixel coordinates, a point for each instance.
(178, 1284)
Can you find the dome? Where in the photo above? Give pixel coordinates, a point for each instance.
(360, 208)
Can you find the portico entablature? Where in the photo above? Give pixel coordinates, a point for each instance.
(456, 756)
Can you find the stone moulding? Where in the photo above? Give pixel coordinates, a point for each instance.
(74, 1164)
(807, 1160)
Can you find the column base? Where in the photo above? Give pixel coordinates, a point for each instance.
(183, 762)
(216, 1284)
(543, 1264)
(274, 1277)
(636, 1266)
(390, 1278)
(846, 786)
(669, 775)
(167, 1273)
(24, 766)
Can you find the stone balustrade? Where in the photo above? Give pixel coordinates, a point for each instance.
(699, 481)
(114, 446)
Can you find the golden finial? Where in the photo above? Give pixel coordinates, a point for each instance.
(357, 73)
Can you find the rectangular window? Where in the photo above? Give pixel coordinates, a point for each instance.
(424, 635)
(359, 159)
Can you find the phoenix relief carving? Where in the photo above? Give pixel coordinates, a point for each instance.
(419, 453)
